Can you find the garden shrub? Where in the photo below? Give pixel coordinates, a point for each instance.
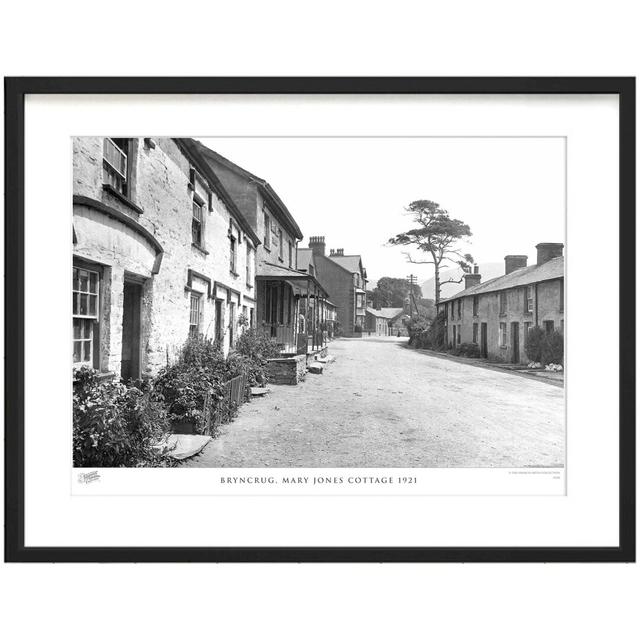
(201, 369)
(254, 343)
(543, 347)
(467, 349)
(433, 337)
(115, 425)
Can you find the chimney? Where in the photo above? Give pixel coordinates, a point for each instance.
(332, 252)
(549, 250)
(472, 279)
(317, 245)
(339, 252)
(511, 263)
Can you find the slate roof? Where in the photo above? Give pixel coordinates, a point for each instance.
(268, 270)
(550, 270)
(350, 263)
(386, 312)
(266, 188)
(304, 258)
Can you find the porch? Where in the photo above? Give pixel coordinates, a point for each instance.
(292, 309)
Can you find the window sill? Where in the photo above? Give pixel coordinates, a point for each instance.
(502, 315)
(503, 346)
(116, 194)
(280, 259)
(200, 248)
(234, 274)
(249, 286)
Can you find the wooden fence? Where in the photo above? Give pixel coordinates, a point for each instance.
(218, 411)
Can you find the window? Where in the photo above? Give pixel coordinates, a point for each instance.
(475, 333)
(197, 224)
(561, 295)
(251, 317)
(290, 255)
(459, 333)
(529, 299)
(455, 330)
(548, 326)
(460, 308)
(115, 163)
(527, 329)
(85, 316)
(503, 334)
(232, 254)
(503, 303)
(475, 305)
(194, 314)
(452, 311)
(280, 245)
(248, 267)
(267, 231)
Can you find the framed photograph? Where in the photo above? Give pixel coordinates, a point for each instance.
(320, 319)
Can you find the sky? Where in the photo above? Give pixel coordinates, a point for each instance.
(353, 191)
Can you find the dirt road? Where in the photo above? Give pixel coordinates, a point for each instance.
(383, 405)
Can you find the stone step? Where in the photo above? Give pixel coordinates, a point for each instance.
(259, 391)
(315, 367)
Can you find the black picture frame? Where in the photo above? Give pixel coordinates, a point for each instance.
(15, 91)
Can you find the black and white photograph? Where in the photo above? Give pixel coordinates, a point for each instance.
(319, 302)
(320, 326)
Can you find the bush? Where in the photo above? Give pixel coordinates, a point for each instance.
(546, 348)
(433, 337)
(200, 370)
(115, 425)
(467, 349)
(254, 343)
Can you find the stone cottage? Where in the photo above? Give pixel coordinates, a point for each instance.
(387, 321)
(282, 291)
(498, 314)
(160, 250)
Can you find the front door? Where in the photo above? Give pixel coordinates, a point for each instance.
(219, 329)
(483, 340)
(130, 361)
(515, 342)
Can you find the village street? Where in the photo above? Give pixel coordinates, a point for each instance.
(381, 404)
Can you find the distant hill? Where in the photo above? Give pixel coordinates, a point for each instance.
(488, 270)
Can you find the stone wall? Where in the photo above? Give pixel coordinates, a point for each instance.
(163, 194)
(287, 370)
(548, 306)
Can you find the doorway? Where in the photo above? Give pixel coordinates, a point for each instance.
(219, 331)
(515, 342)
(131, 311)
(484, 352)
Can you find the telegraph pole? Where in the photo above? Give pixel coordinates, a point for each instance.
(412, 280)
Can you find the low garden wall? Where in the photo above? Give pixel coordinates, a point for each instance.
(287, 370)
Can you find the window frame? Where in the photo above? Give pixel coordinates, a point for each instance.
(233, 257)
(197, 296)
(502, 335)
(529, 301)
(197, 202)
(109, 170)
(266, 240)
(87, 319)
(503, 304)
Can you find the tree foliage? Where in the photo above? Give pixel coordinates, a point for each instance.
(437, 234)
(392, 292)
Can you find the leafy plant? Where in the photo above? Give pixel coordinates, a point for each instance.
(115, 425)
(545, 348)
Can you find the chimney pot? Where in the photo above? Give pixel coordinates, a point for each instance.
(317, 245)
(472, 279)
(511, 263)
(549, 250)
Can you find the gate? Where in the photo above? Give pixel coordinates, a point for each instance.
(219, 411)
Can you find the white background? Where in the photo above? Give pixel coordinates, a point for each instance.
(488, 38)
(587, 516)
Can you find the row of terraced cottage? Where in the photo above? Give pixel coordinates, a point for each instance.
(170, 239)
(499, 314)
